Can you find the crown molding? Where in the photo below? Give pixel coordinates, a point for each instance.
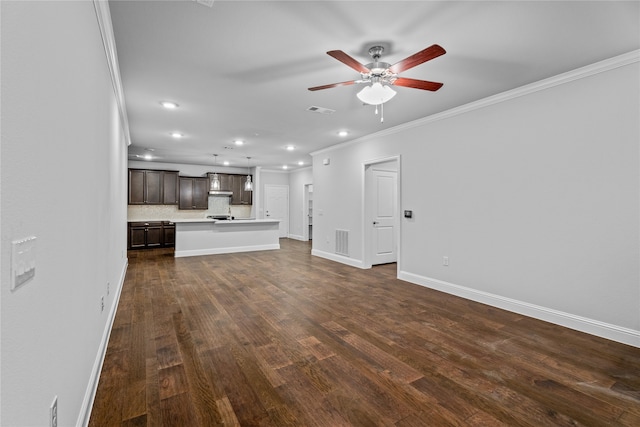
(109, 42)
(570, 76)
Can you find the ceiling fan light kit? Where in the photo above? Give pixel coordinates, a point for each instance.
(376, 94)
(381, 75)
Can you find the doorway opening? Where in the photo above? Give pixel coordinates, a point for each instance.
(307, 212)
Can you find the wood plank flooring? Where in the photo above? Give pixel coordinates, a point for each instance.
(281, 338)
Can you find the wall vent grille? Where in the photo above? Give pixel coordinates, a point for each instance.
(342, 242)
(208, 3)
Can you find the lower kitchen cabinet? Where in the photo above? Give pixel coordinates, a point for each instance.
(152, 234)
(169, 234)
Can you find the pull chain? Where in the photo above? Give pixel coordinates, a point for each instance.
(381, 110)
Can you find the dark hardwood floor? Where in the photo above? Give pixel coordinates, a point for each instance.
(281, 338)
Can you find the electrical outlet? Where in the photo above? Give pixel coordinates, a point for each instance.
(53, 413)
(445, 261)
(101, 304)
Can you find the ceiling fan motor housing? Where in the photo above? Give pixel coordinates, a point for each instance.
(378, 70)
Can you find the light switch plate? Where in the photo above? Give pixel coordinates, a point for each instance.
(23, 261)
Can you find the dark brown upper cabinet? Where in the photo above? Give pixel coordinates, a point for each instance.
(193, 193)
(152, 187)
(170, 188)
(235, 184)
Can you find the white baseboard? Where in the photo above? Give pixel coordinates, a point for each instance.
(568, 320)
(338, 258)
(217, 251)
(92, 387)
(296, 237)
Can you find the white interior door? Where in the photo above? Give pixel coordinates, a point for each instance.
(276, 206)
(384, 222)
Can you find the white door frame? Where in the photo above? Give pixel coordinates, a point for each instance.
(305, 211)
(366, 229)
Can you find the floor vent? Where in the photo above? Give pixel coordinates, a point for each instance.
(342, 242)
(320, 110)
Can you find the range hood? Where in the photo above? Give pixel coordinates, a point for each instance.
(220, 193)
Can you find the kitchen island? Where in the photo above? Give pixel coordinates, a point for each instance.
(209, 236)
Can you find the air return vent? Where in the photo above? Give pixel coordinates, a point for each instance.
(208, 3)
(320, 110)
(342, 242)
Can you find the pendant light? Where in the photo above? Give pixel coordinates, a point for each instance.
(248, 185)
(215, 181)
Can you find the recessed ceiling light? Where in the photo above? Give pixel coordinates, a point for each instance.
(226, 163)
(169, 105)
(290, 147)
(300, 163)
(147, 156)
(177, 135)
(238, 142)
(343, 133)
(285, 167)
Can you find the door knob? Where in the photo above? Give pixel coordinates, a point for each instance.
(375, 222)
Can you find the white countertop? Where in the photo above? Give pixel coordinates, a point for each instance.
(221, 222)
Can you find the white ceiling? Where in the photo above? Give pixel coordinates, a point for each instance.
(241, 69)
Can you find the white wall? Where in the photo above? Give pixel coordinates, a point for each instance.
(63, 180)
(534, 199)
(297, 209)
(186, 170)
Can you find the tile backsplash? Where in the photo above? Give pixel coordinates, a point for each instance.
(217, 206)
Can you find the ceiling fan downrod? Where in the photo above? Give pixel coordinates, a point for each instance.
(376, 52)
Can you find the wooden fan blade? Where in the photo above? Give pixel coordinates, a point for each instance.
(417, 84)
(346, 59)
(424, 55)
(332, 85)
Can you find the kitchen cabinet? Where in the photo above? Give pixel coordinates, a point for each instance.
(170, 188)
(246, 197)
(240, 196)
(225, 181)
(169, 234)
(235, 184)
(152, 187)
(145, 235)
(193, 193)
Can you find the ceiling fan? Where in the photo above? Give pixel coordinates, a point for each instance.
(380, 74)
